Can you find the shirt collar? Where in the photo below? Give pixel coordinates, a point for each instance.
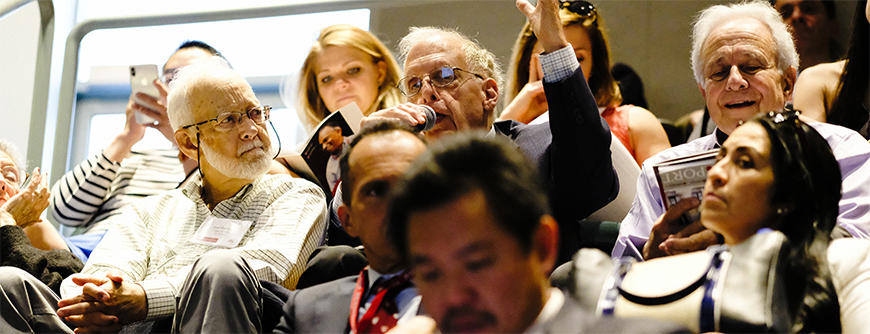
(550, 310)
(193, 189)
(374, 275)
(720, 138)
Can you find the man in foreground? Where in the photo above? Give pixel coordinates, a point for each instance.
(472, 221)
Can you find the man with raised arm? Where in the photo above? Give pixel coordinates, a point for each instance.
(459, 79)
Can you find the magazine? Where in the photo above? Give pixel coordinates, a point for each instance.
(318, 160)
(684, 177)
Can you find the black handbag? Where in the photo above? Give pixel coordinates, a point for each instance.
(723, 289)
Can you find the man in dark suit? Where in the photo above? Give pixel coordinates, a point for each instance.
(376, 158)
(459, 79)
(471, 219)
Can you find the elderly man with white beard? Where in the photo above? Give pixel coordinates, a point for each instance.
(195, 256)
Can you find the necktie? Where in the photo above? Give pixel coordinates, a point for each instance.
(383, 313)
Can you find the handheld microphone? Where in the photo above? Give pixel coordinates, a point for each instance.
(430, 119)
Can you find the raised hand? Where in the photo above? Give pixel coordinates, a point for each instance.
(531, 101)
(156, 108)
(545, 22)
(407, 113)
(26, 206)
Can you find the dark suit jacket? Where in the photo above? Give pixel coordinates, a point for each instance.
(572, 152)
(323, 308)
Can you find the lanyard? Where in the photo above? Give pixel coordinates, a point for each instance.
(361, 283)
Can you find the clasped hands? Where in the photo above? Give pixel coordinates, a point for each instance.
(670, 236)
(106, 304)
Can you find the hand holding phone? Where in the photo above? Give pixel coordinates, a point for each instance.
(142, 81)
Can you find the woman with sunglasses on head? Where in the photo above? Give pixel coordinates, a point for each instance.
(637, 128)
(776, 172)
(346, 64)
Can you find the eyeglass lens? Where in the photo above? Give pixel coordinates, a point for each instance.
(440, 77)
(227, 121)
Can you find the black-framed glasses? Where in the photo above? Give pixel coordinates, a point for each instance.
(579, 7)
(440, 77)
(228, 120)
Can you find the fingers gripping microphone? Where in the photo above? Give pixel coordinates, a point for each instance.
(430, 119)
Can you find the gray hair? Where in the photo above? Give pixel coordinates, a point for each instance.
(182, 86)
(10, 149)
(713, 17)
(479, 60)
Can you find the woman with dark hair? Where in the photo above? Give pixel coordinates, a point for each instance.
(776, 172)
(637, 128)
(838, 92)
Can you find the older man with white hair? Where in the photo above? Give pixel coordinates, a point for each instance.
(745, 63)
(458, 79)
(198, 253)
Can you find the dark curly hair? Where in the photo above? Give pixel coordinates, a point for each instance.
(807, 184)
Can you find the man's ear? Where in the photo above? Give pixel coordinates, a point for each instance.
(788, 80)
(186, 143)
(490, 91)
(546, 243)
(346, 222)
(703, 92)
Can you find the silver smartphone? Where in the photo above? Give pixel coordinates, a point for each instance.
(142, 81)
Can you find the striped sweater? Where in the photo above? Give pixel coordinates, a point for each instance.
(98, 189)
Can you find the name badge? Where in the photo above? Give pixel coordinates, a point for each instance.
(221, 232)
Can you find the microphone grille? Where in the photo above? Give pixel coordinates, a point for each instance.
(430, 118)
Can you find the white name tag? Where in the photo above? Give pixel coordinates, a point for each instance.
(221, 232)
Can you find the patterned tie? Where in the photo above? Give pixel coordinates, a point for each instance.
(383, 313)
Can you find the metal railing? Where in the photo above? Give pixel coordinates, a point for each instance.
(39, 103)
(66, 105)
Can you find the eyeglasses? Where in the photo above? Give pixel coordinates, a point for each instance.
(579, 7)
(168, 76)
(441, 77)
(228, 120)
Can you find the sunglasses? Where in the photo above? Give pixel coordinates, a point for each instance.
(579, 7)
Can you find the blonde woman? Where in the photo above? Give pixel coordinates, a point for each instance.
(346, 64)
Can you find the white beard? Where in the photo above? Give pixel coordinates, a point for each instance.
(252, 166)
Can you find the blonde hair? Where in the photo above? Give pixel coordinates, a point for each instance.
(601, 82)
(311, 109)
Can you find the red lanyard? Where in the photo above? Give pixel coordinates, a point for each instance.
(357, 299)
